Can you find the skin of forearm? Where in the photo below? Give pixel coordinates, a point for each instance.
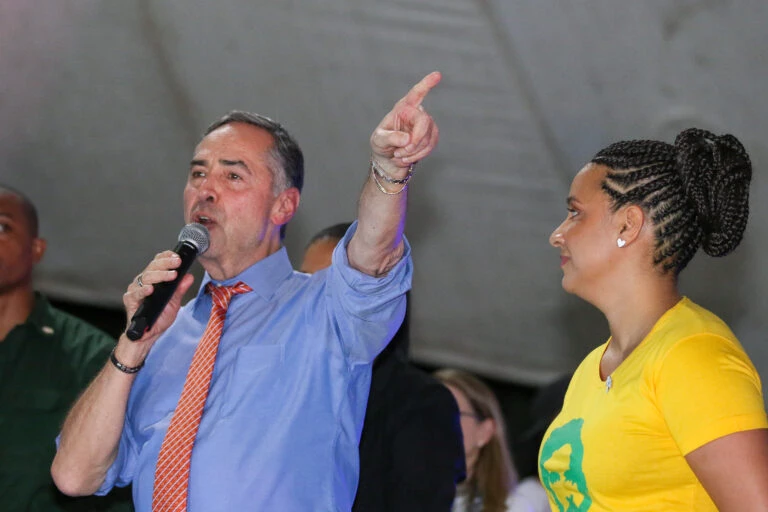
(91, 433)
(377, 245)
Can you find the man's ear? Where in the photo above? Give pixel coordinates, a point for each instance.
(285, 206)
(630, 220)
(38, 249)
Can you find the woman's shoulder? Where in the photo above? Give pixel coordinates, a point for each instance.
(687, 319)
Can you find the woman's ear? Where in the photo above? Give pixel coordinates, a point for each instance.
(630, 220)
(486, 431)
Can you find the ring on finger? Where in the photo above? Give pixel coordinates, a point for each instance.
(139, 280)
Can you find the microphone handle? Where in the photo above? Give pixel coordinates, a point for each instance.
(146, 315)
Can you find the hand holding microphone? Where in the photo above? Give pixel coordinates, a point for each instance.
(193, 240)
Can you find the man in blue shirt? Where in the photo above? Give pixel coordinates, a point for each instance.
(287, 395)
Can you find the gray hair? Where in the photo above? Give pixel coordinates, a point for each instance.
(286, 160)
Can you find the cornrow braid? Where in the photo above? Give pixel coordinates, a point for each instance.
(696, 192)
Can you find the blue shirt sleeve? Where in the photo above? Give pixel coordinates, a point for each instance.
(373, 306)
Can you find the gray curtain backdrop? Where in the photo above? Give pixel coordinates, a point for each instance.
(101, 104)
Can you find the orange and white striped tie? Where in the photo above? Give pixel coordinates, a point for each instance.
(172, 472)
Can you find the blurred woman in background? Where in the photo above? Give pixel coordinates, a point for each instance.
(491, 484)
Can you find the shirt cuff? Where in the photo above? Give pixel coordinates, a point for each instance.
(367, 284)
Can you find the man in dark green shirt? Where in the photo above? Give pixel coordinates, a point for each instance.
(47, 357)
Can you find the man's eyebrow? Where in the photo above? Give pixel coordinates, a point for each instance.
(223, 161)
(234, 163)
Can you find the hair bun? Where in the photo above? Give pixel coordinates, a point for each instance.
(715, 172)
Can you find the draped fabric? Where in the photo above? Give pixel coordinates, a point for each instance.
(102, 104)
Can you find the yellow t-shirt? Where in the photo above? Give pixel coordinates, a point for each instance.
(622, 447)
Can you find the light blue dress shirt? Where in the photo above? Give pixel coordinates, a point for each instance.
(282, 421)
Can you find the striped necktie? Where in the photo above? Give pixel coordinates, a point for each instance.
(172, 472)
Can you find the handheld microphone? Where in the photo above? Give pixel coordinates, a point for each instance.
(193, 240)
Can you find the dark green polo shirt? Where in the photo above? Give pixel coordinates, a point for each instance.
(45, 364)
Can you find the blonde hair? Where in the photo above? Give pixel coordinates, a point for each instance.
(494, 475)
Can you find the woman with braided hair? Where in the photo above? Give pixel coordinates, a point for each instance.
(668, 414)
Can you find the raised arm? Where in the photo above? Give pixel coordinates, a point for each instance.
(91, 433)
(406, 135)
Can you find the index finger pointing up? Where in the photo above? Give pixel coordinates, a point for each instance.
(419, 91)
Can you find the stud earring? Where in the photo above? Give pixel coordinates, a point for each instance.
(621, 242)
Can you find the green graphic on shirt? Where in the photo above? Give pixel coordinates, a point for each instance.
(566, 438)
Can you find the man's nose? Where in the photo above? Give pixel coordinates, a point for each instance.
(207, 190)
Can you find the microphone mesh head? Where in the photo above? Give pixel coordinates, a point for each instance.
(197, 235)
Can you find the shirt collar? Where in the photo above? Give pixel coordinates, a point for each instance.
(40, 315)
(264, 277)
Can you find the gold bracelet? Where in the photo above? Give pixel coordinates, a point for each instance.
(383, 175)
(381, 188)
